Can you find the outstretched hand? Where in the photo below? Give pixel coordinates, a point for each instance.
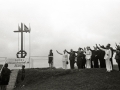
(96, 46)
(115, 43)
(84, 48)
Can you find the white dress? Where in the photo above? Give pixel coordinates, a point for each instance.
(108, 54)
(64, 60)
(88, 58)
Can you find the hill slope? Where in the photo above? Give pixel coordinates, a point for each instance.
(88, 79)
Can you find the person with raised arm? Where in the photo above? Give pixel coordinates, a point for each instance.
(107, 57)
(94, 57)
(71, 58)
(88, 55)
(101, 55)
(64, 58)
(80, 58)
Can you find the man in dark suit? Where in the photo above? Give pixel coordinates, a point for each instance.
(101, 55)
(71, 58)
(94, 57)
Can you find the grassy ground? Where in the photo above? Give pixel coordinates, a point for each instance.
(58, 79)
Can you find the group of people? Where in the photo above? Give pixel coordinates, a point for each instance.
(100, 57)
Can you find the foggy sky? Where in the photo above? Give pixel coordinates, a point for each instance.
(58, 25)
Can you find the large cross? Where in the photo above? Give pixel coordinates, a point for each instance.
(22, 52)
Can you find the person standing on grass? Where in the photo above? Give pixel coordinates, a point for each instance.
(80, 58)
(22, 75)
(71, 58)
(107, 57)
(23, 72)
(84, 60)
(111, 55)
(117, 56)
(5, 77)
(101, 55)
(50, 59)
(88, 55)
(64, 59)
(94, 57)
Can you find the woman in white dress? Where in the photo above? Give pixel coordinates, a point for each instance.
(107, 57)
(64, 59)
(88, 55)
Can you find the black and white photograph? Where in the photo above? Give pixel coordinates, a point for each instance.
(59, 44)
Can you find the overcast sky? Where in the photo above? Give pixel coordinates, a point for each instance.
(58, 25)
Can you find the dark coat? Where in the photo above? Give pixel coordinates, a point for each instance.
(50, 59)
(94, 55)
(117, 56)
(72, 55)
(5, 76)
(101, 54)
(80, 56)
(80, 60)
(23, 74)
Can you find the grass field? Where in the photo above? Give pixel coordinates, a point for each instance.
(58, 79)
